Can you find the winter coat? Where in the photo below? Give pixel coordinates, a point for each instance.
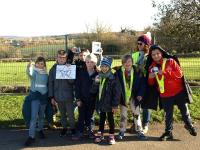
(110, 96)
(60, 89)
(138, 88)
(83, 87)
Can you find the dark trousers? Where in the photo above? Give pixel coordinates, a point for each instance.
(168, 105)
(85, 117)
(102, 120)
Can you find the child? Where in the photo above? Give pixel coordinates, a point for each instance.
(80, 62)
(61, 94)
(132, 88)
(38, 96)
(85, 99)
(108, 100)
(166, 75)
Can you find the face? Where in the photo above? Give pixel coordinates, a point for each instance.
(61, 59)
(140, 45)
(128, 64)
(40, 65)
(104, 68)
(156, 55)
(90, 64)
(82, 56)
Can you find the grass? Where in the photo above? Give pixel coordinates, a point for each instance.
(13, 73)
(11, 106)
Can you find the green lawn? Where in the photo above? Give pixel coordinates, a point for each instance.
(13, 73)
(11, 107)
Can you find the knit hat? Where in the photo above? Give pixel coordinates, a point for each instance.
(145, 39)
(106, 61)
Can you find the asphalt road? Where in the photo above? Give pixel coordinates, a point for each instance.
(13, 139)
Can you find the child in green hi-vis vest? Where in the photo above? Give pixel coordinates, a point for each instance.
(108, 99)
(132, 86)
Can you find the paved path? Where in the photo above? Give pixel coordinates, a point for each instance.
(14, 140)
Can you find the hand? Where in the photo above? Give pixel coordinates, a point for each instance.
(30, 64)
(53, 102)
(160, 72)
(152, 75)
(97, 79)
(79, 103)
(114, 109)
(68, 65)
(139, 98)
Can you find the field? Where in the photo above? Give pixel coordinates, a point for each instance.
(11, 106)
(13, 73)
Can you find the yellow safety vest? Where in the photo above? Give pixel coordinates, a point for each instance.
(161, 81)
(135, 57)
(101, 85)
(127, 88)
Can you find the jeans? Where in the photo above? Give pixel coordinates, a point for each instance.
(37, 113)
(168, 105)
(146, 117)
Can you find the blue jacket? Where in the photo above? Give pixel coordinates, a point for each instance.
(138, 88)
(38, 79)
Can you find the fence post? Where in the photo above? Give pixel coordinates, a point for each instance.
(66, 42)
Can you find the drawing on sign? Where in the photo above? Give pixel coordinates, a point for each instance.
(66, 72)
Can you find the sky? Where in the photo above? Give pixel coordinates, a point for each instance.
(59, 17)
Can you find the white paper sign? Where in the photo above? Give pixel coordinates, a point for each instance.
(96, 48)
(66, 72)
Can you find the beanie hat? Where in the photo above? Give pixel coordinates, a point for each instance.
(106, 61)
(145, 39)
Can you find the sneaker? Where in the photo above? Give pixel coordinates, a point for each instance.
(166, 136)
(29, 141)
(99, 137)
(121, 135)
(63, 132)
(41, 134)
(191, 130)
(141, 136)
(111, 139)
(145, 129)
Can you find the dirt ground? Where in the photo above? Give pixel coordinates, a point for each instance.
(13, 139)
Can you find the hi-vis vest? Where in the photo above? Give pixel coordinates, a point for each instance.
(161, 81)
(135, 57)
(127, 86)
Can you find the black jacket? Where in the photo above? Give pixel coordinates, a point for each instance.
(110, 96)
(138, 88)
(83, 87)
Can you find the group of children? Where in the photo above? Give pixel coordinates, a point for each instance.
(105, 90)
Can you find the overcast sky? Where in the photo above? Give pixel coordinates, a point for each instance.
(58, 17)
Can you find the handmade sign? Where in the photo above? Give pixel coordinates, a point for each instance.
(66, 72)
(96, 48)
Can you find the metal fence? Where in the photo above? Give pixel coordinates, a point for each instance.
(15, 54)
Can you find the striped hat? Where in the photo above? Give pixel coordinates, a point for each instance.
(106, 61)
